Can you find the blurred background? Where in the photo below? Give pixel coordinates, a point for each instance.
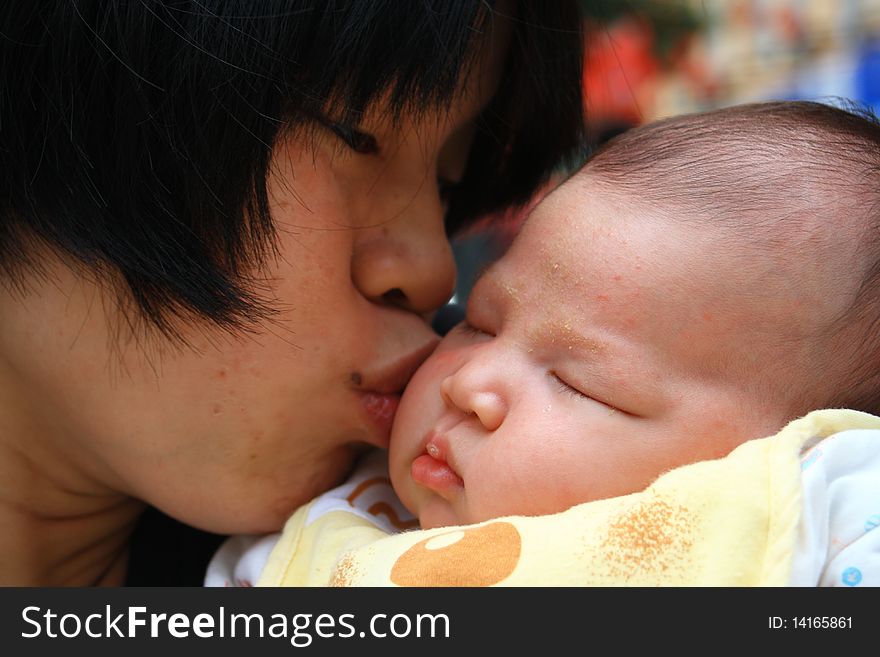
(646, 59)
(652, 58)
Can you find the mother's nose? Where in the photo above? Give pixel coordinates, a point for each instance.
(406, 261)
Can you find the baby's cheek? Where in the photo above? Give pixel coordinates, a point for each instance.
(548, 486)
(442, 358)
(410, 426)
(421, 408)
(421, 404)
(404, 487)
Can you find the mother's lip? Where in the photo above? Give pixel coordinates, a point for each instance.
(381, 410)
(392, 377)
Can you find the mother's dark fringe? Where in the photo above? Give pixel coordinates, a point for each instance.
(136, 137)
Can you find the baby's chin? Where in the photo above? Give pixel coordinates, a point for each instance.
(433, 515)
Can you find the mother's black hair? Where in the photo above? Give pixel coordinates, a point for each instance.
(136, 137)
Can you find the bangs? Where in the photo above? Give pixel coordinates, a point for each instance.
(136, 138)
(346, 53)
(414, 59)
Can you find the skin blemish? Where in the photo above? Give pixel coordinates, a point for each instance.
(707, 317)
(356, 378)
(564, 335)
(221, 374)
(216, 409)
(617, 277)
(602, 297)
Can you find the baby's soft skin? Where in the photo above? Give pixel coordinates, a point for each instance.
(609, 345)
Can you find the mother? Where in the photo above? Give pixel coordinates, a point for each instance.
(221, 234)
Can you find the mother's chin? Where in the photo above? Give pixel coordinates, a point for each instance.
(257, 502)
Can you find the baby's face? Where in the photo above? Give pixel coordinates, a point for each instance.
(608, 345)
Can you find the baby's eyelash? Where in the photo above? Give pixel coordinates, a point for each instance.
(574, 392)
(467, 329)
(568, 389)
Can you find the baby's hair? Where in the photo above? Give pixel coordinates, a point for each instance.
(136, 138)
(788, 179)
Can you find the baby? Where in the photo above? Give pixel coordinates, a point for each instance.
(700, 283)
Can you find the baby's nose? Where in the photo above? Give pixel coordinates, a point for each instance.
(458, 391)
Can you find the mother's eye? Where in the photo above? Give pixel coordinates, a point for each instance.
(357, 140)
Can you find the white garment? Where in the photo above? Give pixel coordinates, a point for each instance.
(836, 544)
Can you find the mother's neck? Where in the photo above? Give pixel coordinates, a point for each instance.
(58, 525)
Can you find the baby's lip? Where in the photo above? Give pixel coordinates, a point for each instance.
(436, 445)
(433, 468)
(436, 448)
